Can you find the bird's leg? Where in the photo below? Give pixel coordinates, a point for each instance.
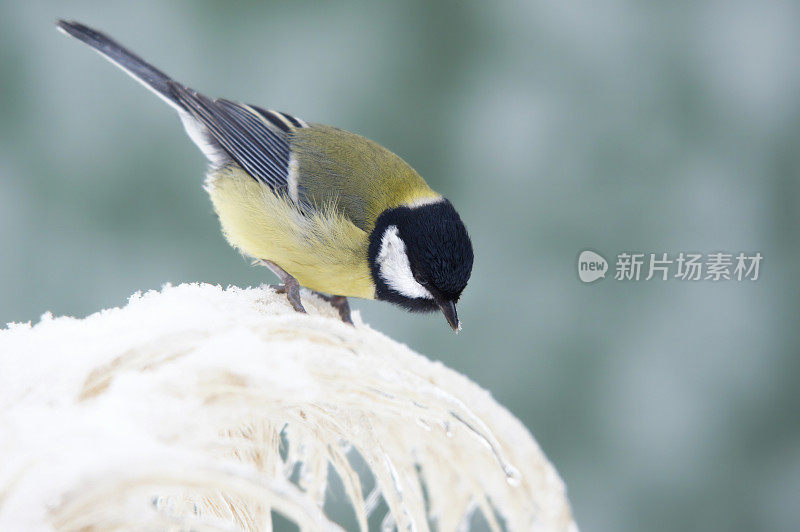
(339, 303)
(290, 286)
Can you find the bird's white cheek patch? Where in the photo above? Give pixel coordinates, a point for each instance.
(394, 268)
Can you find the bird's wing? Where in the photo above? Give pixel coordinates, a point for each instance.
(254, 138)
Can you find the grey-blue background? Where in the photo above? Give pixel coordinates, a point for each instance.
(554, 127)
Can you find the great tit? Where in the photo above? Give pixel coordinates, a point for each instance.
(323, 208)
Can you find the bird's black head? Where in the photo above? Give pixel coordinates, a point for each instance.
(421, 257)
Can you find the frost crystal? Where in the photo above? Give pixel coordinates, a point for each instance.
(208, 409)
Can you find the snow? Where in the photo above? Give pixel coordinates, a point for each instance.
(208, 408)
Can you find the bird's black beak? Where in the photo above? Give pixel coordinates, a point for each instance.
(449, 311)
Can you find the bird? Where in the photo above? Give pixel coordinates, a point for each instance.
(323, 208)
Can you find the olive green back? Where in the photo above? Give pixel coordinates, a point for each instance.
(355, 176)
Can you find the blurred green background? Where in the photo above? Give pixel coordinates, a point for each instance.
(553, 127)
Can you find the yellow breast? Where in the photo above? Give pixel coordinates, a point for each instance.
(324, 252)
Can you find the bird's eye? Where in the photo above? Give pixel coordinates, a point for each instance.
(417, 277)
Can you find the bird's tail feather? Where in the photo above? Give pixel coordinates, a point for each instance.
(138, 68)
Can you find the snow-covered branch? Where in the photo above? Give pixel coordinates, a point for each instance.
(202, 408)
